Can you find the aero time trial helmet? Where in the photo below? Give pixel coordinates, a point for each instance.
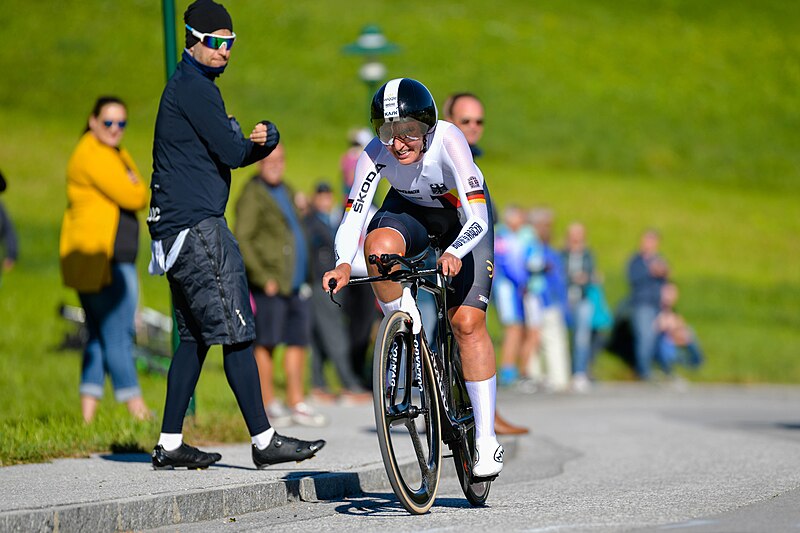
(403, 108)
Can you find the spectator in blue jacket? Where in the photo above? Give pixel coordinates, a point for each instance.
(647, 273)
(554, 339)
(514, 243)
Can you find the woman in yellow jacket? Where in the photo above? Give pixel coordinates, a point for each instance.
(98, 247)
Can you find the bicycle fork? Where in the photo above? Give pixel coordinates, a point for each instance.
(403, 363)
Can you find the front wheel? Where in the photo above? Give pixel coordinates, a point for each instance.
(407, 415)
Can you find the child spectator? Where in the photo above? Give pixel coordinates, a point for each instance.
(677, 342)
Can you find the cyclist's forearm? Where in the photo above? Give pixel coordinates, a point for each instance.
(347, 238)
(473, 231)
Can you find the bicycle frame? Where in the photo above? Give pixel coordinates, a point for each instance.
(450, 384)
(445, 367)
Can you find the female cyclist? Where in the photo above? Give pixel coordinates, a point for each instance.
(436, 190)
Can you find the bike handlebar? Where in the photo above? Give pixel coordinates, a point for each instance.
(386, 261)
(413, 270)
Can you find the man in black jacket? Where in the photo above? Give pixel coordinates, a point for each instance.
(195, 147)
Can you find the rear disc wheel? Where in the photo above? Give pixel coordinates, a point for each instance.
(475, 489)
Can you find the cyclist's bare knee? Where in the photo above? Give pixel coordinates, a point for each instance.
(468, 322)
(378, 242)
(384, 241)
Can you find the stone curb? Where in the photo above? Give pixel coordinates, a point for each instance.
(149, 512)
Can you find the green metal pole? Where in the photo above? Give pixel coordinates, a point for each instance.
(171, 62)
(170, 47)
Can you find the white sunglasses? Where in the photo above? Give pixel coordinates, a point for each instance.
(213, 41)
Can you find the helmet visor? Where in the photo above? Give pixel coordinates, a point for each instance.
(405, 129)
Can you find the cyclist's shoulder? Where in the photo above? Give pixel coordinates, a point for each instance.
(448, 133)
(444, 127)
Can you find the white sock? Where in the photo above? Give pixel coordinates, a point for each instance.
(389, 307)
(170, 441)
(483, 395)
(263, 439)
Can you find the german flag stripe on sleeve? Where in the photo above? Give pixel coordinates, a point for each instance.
(476, 196)
(348, 205)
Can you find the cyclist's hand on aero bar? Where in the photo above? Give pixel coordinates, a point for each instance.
(450, 264)
(340, 274)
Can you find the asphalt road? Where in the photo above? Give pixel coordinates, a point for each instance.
(621, 458)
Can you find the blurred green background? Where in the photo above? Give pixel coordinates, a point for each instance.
(682, 115)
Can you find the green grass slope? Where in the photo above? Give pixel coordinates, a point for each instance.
(681, 115)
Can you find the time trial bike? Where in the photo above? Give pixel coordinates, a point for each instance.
(420, 398)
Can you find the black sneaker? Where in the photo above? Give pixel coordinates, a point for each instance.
(185, 455)
(285, 449)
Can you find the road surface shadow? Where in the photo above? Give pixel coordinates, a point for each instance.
(385, 504)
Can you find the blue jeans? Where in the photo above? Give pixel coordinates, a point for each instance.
(109, 319)
(668, 354)
(582, 336)
(644, 338)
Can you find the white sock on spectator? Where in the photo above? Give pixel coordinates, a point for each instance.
(263, 439)
(170, 441)
(482, 394)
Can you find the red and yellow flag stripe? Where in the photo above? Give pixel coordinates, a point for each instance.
(476, 196)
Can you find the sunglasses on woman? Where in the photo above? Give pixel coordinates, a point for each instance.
(120, 123)
(213, 41)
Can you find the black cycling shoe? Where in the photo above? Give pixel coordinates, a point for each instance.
(284, 450)
(184, 456)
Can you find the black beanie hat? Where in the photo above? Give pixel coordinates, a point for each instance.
(206, 16)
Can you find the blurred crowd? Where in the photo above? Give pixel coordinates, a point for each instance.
(556, 318)
(548, 297)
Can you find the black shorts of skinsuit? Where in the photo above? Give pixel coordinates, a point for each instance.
(473, 284)
(209, 286)
(282, 319)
